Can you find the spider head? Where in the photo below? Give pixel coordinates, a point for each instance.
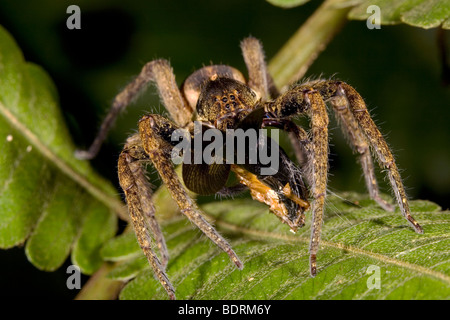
(225, 101)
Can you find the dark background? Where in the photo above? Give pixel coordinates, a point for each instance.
(397, 69)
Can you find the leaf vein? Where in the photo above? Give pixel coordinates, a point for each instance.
(359, 251)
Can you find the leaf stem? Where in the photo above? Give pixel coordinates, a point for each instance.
(294, 58)
(99, 287)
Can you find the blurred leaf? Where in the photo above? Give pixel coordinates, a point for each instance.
(418, 13)
(121, 247)
(357, 234)
(48, 197)
(287, 3)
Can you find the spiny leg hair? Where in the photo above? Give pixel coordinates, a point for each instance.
(357, 124)
(337, 92)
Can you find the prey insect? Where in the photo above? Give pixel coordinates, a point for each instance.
(218, 96)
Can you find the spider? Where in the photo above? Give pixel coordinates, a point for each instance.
(218, 96)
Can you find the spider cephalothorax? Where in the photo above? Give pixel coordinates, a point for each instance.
(224, 100)
(226, 103)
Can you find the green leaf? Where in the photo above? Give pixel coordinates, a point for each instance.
(121, 247)
(418, 13)
(358, 237)
(287, 3)
(49, 199)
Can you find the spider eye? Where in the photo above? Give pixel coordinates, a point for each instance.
(227, 106)
(232, 97)
(224, 100)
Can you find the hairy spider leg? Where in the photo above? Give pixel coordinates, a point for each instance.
(141, 210)
(301, 139)
(253, 54)
(135, 160)
(158, 148)
(356, 139)
(259, 78)
(157, 71)
(335, 90)
(300, 100)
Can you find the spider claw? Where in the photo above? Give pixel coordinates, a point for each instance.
(235, 259)
(417, 227)
(239, 264)
(313, 265)
(172, 295)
